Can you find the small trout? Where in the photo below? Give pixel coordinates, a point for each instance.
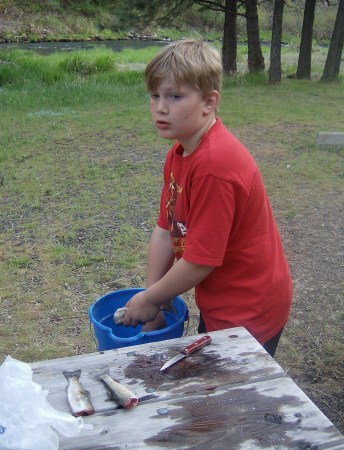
(78, 398)
(119, 392)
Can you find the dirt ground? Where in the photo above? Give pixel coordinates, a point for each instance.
(310, 215)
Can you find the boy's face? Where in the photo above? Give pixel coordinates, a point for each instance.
(180, 112)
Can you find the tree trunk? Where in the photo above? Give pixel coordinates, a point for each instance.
(339, 57)
(275, 52)
(305, 55)
(255, 56)
(332, 64)
(229, 46)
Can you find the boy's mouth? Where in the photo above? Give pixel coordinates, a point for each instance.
(161, 125)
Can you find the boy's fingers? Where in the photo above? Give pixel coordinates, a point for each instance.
(133, 323)
(130, 322)
(126, 320)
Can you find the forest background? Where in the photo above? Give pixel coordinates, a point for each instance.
(140, 14)
(26, 20)
(80, 169)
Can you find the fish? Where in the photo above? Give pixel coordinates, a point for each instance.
(117, 391)
(79, 399)
(119, 315)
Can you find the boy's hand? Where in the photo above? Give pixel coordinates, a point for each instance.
(157, 324)
(139, 310)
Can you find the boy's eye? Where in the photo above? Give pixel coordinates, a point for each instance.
(175, 96)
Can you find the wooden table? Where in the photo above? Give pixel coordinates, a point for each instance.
(229, 395)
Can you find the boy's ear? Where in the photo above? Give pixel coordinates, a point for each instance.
(212, 101)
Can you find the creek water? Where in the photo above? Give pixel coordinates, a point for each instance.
(51, 47)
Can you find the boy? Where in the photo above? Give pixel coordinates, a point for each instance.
(215, 230)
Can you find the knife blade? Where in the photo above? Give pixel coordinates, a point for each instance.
(186, 351)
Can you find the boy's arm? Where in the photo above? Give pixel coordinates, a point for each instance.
(181, 277)
(160, 260)
(160, 255)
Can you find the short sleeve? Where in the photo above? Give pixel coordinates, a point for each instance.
(212, 209)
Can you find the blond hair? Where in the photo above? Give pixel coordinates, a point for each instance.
(189, 61)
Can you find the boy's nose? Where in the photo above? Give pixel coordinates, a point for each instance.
(161, 106)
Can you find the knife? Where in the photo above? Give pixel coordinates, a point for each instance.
(186, 351)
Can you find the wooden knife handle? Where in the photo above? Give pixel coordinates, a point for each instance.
(196, 345)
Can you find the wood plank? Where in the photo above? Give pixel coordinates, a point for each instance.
(268, 414)
(233, 357)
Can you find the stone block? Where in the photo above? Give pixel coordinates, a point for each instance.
(330, 139)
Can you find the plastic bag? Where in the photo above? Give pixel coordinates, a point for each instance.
(27, 420)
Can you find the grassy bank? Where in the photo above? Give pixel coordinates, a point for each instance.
(83, 20)
(19, 68)
(80, 176)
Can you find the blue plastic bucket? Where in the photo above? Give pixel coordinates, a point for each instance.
(110, 336)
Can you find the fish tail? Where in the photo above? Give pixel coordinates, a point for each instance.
(69, 374)
(100, 375)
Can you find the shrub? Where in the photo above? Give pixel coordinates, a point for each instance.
(88, 63)
(9, 73)
(324, 22)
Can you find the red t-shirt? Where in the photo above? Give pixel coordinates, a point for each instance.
(216, 208)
